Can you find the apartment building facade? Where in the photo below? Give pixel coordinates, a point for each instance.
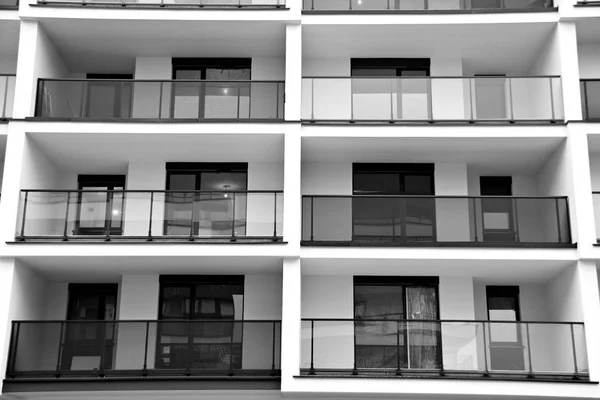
(322, 199)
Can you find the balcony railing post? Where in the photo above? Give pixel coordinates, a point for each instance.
(429, 92)
(60, 349)
(575, 367)
(145, 369)
(231, 349)
(511, 101)
(160, 97)
(391, 99)
(191, 239)
(471, 98)
(351, 98)
(398, 370)
(249, 100)
(273, 352)
(558, 220)
(553, 114)
(151, 211)
(474, 217)
(22, 236)
(312, 347)
(239, 89)
(350, 4)
(517, 236)
(6, 79)
(586, 108)
(103, 355)
(486, 371)
(84, 101)
(528, 350)
(275, 216)
(312, 6)
(233, 239)
(312, 219)
(66, 217)
(108, 215)
(568, 218)
(312, 92)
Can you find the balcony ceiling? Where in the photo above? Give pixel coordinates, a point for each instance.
(102, 46)
(497, 155)
(588, 30)
(106, 269)
(111, 153)
(507, 48)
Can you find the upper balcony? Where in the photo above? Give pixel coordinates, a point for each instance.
(191, 100)
(414, 99)
(423, 6)
(9, 5)
(186, 4)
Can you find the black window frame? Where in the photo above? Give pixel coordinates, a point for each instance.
(402, 169)
(204, 63)
(405, 282)
(399, 64)
(511, 291)
(491, 183)
(110, 181)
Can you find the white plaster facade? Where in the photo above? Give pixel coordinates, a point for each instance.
(288, 282)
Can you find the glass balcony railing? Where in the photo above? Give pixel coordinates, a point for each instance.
(432, 99)
(590, 99)
(7, 94)
(370, 220)
(150, 215)
(371, 6)
(504, 349)
(119, 349)
(209, 4)
(10, 5)
(176, 99)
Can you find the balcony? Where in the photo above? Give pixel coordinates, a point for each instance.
(407, 6)
(590, 99)
(151, 349)
(444, 348)
(7, 94)
(146, 216)
(435, 221)
(194, 4)
(425, 100)
(99, 99)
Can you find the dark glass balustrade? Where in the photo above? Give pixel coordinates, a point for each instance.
(7, 93)
(52, 349)
(590, 99)
(150, 215)
(365, 220)
(176, 99)
(391, 6)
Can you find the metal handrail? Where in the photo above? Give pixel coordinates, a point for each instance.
(407, 196)
(434, 77)
(441, 320)
(159, 80)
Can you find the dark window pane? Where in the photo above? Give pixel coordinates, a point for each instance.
(418, 185)
(376, 183)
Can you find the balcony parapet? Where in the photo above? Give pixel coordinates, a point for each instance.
(414, 348)
(435, 221)
(150, 216)
(145, 348)
(423, 6)
(427, 100)
(7, 94)
(142, 100)
(174, 4)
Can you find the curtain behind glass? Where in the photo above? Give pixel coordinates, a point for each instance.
(423, 336)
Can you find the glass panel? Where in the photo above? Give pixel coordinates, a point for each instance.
(93, 208)
(103, 100)
(490, 97)
(176, 302)
(423, 337)
(592, 104)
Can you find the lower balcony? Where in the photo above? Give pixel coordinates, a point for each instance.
(376, 220)
(168, 216)
(152, 349)
(547, 351)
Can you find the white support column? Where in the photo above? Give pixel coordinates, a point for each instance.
(569, 66)
(293, 72)
(290, 322)
(581, 200)
(587, 276)
(292, 193)
(26, 81)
